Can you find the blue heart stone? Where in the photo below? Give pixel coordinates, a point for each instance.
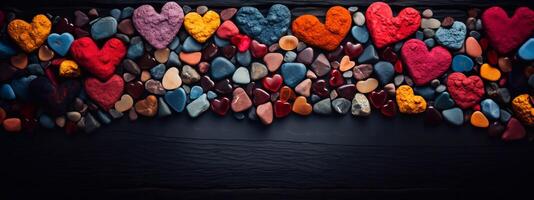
(104, 28)
(266, 30)
(176, 99)
(490, 109)
(526, 51)
(20, 86)
(191, 45)
(360, 34)
(462, 63)
(6, 92)
(293, 73)
(60, 43)
(196, 91)
(384, 71)
(369, 55)
(454, 116)
(6, 50)
(443, 101)
(221, 68)
(453, 37)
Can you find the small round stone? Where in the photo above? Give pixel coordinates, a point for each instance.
(427, 13)
(288, 42)
(358, 18)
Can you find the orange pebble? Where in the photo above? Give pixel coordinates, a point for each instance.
(490, 73)
(12, 125)
(301, 106)
(45, 53)
(479, 120)
(288, 42)
(472, 47)
(190, 58)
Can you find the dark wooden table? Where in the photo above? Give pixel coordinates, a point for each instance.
(295, 158)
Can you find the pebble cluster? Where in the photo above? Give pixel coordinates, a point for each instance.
(81, 72)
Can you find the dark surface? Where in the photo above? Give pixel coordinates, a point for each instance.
(306, 158)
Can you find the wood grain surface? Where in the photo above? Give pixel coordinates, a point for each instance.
(335, 157)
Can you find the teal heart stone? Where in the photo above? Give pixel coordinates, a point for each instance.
(453, 37)
(176, 99)
(266, 30)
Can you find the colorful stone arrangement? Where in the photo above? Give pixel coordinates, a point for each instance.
(80, 74)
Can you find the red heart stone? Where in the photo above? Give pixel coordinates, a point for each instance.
(378, 99)
(105, 94)
(466, 91)
(353, 50)
(506, 34)
(100, 62)
(386, 29)
(389, 109)
(257, 49)
(242, 42)
(272, 84)
(281, 108)
(260, 96)
(514, 130)
(336, 78)
(220, 105)
(423, 65)
(319, 88)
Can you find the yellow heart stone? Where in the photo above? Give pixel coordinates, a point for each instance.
(30, 36)
(408, 102)
(202, 27)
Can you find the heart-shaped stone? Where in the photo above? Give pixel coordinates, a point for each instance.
(353, 50)
(158, 29)
(99, 62)
(266, 30)
(257, 49)
(408, 102)
(466, 91)
(281, 108)
(202, 27)
(346, 64)
(326, 36)
(389, 109)
(125, 103)
(386, 29)
(105, 94)
(423, 65)
(522, 106)
(220, 105)
(30, 36)
(147, 107)
(286, 94)
(367, 86)
(54, 98)
(504, 33)
(176, 99)
(272, 83)
(301, 106)
(453, 37)
(336, 78)
(378, 98)
(60, 43)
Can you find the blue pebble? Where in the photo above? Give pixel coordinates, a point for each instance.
(244, 58)
(60, 43)
(453, 37)
(505, 116)
(191, 45)
(174, 60)
(176, 99)
(462, 63)
(398, 46)
(115, 13)
(20, 87)
(104, 28)
(6, 50)
(6, 92)
(127, 12)
(293, 73)
(490, 109)
(221, 68)
(384, 71)
(136, 48)
(158, 71)
(369, 55)
(103, 117)
(419, 35)
(360, 34)
(454, 116)
(196, 91)
(430, 42)
(290, 56)
(175, 43)
(35, 69)
(212, 95)
(163, 108)
(266, 30)
(46, 121)
(526, 51)
(426, 92)
(443, 101)
(220, 42)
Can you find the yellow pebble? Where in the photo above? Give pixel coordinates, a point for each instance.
(490, 73)
(408, 102)
(202, 27)
(478, 119)
(30, 36)
(523, 109)
(69, 69)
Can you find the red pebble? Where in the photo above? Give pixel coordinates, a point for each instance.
(336, 78)
(260, 96)
(220, 105)
(398, 67)
(378, 99)
(353, 50)
(242, 42)
(389, 109)
(272, 83)
(100, 62)
(257, 49)
(514, 130)
(281, 108)
(466, 91)
(504, 33)
(227, 30)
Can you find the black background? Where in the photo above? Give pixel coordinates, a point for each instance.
(294, 158)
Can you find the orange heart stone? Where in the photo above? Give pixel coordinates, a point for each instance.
(326, 36)
(147, 107)
(30, 36)
(301, 106)
(408, 102)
